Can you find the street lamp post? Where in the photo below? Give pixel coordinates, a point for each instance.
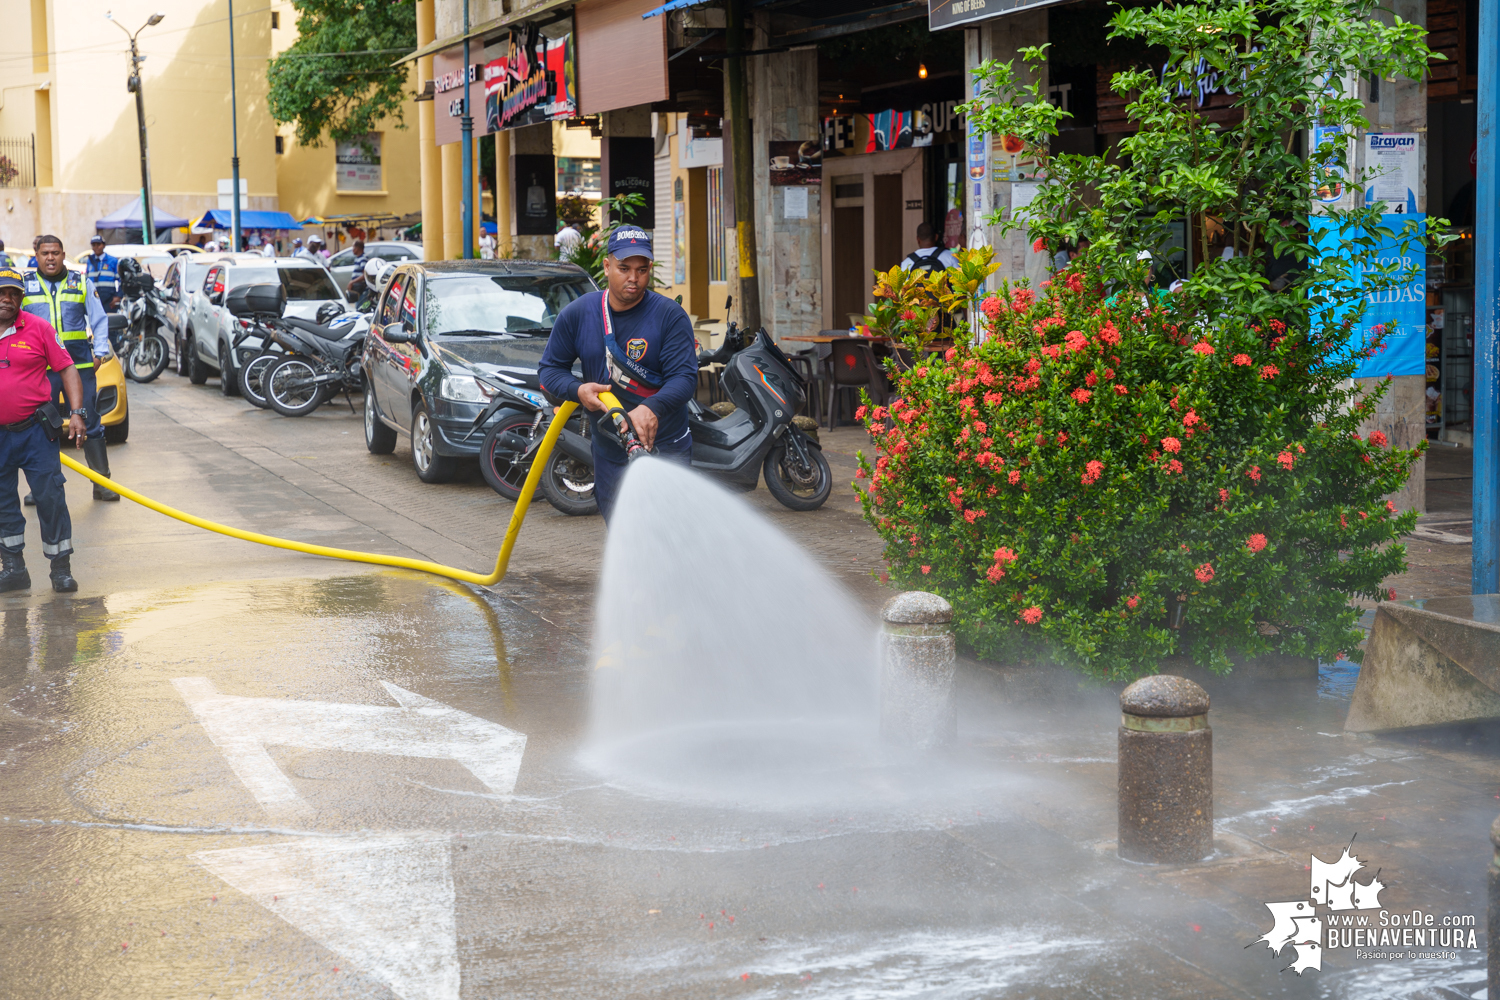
(234, 128)
(466, 123)
(133, 84)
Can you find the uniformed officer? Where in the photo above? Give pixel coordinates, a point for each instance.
(66, 300)
(104, 271)
(28, 348)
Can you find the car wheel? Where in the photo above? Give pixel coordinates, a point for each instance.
(379, 438)
(119, 432)
(229, 383)
(182, 356)
(431, 467)
(198, 372)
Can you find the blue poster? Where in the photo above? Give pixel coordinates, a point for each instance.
(1401, 309)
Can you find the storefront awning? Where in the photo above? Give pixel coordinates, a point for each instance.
(480, 30)
(221, 218)
(673, 5)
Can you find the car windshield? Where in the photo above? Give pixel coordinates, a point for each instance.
(470, 305)
(302, 284)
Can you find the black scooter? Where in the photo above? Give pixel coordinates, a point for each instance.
(757, 438)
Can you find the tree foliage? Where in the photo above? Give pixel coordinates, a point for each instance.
(330, 94)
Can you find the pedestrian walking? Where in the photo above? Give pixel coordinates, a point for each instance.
(67, 302)
(928, 255)
(486, 247)
(104, 271)
(358, 286)
(31, 425)
(567, 239)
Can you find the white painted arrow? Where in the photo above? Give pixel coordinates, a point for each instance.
(385, 904)
(242, 728)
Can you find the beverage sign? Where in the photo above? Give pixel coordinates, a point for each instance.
(957, 13)
(532, 79)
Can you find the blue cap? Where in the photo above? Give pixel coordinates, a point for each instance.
(628, 241)
(11, 278)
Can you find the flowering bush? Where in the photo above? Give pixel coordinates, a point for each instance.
(1103, 481)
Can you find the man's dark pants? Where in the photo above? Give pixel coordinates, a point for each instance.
(90, 398)
(610, 465)
(30, 450)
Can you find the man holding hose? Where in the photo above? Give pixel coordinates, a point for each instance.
(634, 343)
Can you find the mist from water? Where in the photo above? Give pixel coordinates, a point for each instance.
(728, 664)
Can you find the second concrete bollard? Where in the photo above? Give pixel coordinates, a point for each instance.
(917, 704)
(1166, 772)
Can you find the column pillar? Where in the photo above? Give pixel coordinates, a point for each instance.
(504, 223)
(453, 186)
(432, 177)
(628, 161)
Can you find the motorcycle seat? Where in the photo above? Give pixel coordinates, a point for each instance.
(308, 326)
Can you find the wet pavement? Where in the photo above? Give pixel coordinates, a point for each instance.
(234, 772)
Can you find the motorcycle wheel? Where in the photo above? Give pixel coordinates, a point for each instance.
(290, 387)
(253, 377)
(149, 358)
(799, 489)
(498, 455)
(568, 485)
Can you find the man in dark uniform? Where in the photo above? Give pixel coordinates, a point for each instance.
(28, 348)
(634, 343)
(103, 270)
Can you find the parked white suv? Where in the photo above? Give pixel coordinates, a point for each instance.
(341, 264)
(211, 329)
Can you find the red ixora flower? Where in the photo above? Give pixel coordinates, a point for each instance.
(1203, 347)
(990, 307)
(859, 414)
(1191, 418)
(1039, 245)
(1120, 390)
(1021, 299)
(1015, 477)
(926, 570)
(1391, 593)
(1255, 542)
(1174, 466)
(1171, 444)
(1032, 615)
(1051, 350)
(1075, 340)
(1091, 473)
(1241, 359)
(1287, 459)
(1133, 601)
(908, 315)
(1081, 395)
(1109, 334)
(1204, 573)
(1254, 473)
(1378, 439)
(1269, 372)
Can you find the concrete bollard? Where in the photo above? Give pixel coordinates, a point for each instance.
(917, 704)
(1493, 954)
(1166, 772)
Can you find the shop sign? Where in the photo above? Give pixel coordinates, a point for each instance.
(357, 163)
(956, 13)
(1399, 312)
(1393, 170)
(448, 92)
(531, 78)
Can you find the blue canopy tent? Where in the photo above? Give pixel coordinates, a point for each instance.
(220, 218)
(129, 217)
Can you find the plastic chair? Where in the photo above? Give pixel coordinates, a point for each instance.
(809, 364)
(851, 365)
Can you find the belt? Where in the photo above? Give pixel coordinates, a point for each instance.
(19, 425)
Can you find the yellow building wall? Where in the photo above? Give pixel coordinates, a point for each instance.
(79, 82)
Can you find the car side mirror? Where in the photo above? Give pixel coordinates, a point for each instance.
(216, 298)
(393, 334)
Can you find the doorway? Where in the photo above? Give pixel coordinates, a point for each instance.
(849, 249)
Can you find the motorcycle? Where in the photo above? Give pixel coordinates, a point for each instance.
(757, 439)
(144, 353)
(302, 363)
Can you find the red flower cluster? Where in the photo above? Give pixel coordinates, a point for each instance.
(1171, 444)
(1241, 359)
(1255, 542)
(1108, 334)
(1014, 477)
(1021, 299)
(1204, 573)
(1031, 615)
(1039, 245)
(1287, 459)
(1269, 372)
(1051, 350)
(1203, 347)
(1081, 395)
(1174, 467)
(1075, 282)
(1091, 380)
(1378, 439)
(1191, 418)
(1003, 555)
(1075, 339)
(1133, 601)
(1120, 390)
(991, 307)
(1092, 472)
(1254, 473)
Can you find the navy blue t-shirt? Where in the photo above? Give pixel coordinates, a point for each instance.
(671, 353)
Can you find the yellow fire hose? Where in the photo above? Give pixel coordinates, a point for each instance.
(502, 562)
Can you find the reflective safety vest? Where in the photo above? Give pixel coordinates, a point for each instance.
(104, 272)
(67, 310)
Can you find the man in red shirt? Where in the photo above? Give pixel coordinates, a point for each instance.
(28, 348)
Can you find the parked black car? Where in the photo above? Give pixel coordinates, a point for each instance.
(438, 323)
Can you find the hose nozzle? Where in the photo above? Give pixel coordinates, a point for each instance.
(619, 422)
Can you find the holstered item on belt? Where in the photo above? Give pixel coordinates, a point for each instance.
(49, 415)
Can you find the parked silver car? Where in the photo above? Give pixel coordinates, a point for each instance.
(211, 328)
(184, 281)
(341, 264)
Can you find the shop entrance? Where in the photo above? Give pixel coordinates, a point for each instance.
(870, 223)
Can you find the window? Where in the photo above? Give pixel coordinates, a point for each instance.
(213, 281)
(276, 23)
(280, 144)
(391, 253)
(302, 284)
(576, 175)
(389, 308)
(341, 259)
(357, 164)
(470, 305)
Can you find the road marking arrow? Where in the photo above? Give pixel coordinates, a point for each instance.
(242, 728)
(383, 903)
